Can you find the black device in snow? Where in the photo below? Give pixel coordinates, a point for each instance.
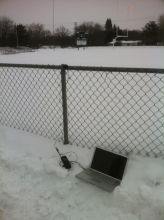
(65, 160)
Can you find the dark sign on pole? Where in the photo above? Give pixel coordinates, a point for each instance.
(81, 38)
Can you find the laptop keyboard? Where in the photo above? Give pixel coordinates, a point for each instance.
(99, 177)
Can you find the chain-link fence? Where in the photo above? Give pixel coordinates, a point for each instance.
(31, 99)
(120, 109)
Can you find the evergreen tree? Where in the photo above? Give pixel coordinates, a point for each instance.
(120, 32)
(114, 31)
(108, 31)
(161, 28)
(22, 35)
(108, 25)
(150, 33)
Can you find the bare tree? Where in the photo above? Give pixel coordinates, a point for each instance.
(62, 34)
(35, 34)
(47, 39)
(6, 28)
(86, 27)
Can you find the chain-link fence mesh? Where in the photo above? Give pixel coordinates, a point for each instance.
(31, 100)
(119, 109)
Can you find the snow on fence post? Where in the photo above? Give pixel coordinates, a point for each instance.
(64, 102)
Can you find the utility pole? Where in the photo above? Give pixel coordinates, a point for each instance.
(75, 23)
(17, 36)
(117, 21)
(53, 23)
(128, 20)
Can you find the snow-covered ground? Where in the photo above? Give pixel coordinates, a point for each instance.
(128, 56)
(85, 88)
(34, 186)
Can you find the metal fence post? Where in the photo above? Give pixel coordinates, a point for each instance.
(64, 100)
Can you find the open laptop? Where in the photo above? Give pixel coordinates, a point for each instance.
(106, 170)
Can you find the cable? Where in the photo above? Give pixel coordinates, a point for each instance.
(72, 162)
(57, 139)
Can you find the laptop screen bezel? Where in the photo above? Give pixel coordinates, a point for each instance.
(113, 153)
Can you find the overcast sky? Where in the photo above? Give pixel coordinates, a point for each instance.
(66, 12)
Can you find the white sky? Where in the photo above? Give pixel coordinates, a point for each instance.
(66, 12)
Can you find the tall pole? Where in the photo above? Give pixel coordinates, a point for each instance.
(117, 21)
(53, 23)
(17, 36)
(128, 20)
(75, 26)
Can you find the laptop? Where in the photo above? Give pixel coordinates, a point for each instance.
(106, 170)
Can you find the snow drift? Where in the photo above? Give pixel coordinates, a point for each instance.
(34, 186)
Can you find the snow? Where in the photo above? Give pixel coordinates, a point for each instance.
(34, 186)
(142, 100)
(130, 56)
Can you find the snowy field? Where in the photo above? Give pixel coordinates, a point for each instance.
(34, 187)
(144, 57)
(92, 120)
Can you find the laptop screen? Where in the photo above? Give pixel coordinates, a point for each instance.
(109, 163)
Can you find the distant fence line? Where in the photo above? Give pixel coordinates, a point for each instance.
(10, 50)
(120, 109)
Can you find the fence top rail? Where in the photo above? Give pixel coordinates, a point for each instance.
(87, 68)
(118, 69)
(36, 66)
